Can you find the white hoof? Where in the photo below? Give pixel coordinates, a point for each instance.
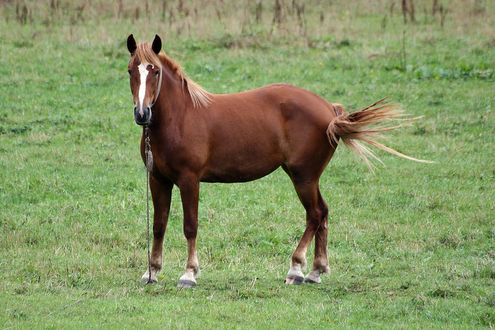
(187, 280)
(295, 275)
(313, 277)
(146, 277)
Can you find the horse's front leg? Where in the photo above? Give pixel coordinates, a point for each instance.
(189, 192)
(161, 193)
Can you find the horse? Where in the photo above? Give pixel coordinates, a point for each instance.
(197, 136)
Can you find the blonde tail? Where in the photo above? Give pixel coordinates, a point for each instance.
(355, 127)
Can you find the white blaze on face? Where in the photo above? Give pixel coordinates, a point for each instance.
(143, 73)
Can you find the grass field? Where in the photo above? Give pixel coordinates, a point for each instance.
(412, 246)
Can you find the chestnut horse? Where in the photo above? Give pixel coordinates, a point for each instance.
(198, 137)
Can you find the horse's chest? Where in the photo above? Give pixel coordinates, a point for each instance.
(162, 164)
(172, 162)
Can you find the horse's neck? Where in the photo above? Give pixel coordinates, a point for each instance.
(169, 111)
(171, 101)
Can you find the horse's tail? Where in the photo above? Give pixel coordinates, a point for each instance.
(354, 127)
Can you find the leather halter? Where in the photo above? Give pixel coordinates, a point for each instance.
(159, 87)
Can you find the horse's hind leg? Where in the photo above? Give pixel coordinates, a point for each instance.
(161, 192)
(316, 213)
(320, 263)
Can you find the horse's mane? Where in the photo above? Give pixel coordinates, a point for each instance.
(199, 96)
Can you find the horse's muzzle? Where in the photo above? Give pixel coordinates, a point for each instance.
(142, 117)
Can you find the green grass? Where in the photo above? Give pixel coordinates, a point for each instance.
(411, 246)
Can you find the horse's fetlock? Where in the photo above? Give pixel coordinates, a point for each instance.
(322, 266)
(155, 266)
(192, 267)
(299, 261)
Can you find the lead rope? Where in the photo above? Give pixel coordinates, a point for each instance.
(149, 166)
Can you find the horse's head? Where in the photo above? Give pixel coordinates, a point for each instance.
(145, 71)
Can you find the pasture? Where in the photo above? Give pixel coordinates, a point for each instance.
(411, 246)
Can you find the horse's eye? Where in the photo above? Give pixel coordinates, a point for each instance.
(157, 72)
(129, 71)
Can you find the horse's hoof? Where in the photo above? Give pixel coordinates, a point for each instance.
(186, 284)
(147, 280)
(313, 277)
(311, 281)
(294, 280)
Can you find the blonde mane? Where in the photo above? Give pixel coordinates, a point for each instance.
(199, 96)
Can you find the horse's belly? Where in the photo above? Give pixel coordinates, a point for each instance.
(242, 165)
(236, 176)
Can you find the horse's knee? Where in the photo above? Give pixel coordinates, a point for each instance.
(190, 230)
(189, 234)
(158, 235)
(158, 231)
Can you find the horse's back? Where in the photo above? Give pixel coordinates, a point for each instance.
(286, 101)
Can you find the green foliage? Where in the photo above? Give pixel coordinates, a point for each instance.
(411, 246)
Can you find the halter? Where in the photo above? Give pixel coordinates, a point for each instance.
(159, 86)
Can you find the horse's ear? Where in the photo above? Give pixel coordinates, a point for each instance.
(157, 44)
(131, 44)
